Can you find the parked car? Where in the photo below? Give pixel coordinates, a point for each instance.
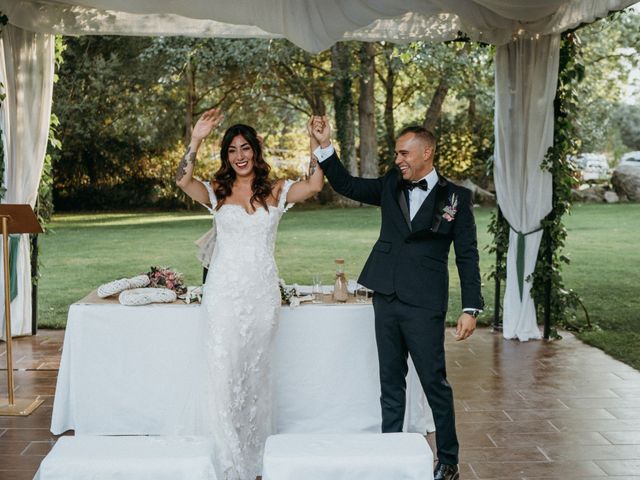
(631, 158)
(593, 167)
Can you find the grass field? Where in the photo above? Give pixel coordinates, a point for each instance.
(82, 251)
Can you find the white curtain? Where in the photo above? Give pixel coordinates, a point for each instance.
(26, 70)
(526, 74)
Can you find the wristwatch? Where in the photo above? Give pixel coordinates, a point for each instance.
(474, 313)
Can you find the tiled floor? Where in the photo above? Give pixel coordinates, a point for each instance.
(536, 410)
(24, 441)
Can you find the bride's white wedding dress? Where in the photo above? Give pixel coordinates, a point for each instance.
(242, 299)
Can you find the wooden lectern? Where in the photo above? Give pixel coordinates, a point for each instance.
(15, 219)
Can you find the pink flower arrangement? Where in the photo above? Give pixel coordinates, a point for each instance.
(167, 278)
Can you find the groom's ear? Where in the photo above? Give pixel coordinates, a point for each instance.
(428, 150)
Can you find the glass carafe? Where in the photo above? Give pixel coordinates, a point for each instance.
(340, 292)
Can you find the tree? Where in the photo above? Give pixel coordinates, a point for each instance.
(402, 89)
(627, 122)
(366, 112)
(341, 54)
(110, 121)
(299, 79)
(453, 83)
(611, 51)
(202, 73)
(388, 75)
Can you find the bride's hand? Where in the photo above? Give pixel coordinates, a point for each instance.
(206, 123)
(312, 139)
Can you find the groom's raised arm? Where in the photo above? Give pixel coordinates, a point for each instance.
(365, 190)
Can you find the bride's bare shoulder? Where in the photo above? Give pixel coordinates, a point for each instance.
(277, 188)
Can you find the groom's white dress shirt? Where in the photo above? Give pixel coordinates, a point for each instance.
(323, 153)
(416, 196)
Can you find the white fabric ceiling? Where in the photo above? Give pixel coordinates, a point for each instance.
(311, 24)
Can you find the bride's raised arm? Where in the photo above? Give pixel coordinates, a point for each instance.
(184, 174)
(304, 189)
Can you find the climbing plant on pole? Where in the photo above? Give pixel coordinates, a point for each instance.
(553, 300)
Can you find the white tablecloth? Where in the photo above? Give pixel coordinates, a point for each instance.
(140, 370)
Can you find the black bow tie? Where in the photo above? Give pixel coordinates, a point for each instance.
(422, 185)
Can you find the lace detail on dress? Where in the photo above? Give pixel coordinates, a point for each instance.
(283, 206)
(241, 299)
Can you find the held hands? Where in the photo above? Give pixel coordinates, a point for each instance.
(319, 131)
(206, 123)
(313, 143)
(466, 326)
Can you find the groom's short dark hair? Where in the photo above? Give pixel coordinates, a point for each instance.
(421, 132)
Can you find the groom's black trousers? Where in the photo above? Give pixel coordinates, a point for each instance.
(403, 329)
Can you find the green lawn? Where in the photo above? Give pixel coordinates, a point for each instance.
(82, 251)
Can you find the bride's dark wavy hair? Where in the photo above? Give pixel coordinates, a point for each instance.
(226, 175)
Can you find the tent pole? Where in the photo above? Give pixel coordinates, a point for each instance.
(34, 284)
(497, 323)
(547, 287)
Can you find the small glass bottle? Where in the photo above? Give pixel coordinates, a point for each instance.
(340, 292)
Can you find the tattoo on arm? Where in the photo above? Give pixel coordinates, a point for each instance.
(188, 158)
(313, 165)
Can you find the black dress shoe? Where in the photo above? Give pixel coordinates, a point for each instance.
(446, 472)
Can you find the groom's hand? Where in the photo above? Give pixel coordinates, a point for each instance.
(466, 326)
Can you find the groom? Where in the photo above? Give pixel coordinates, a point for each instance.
(422, 214)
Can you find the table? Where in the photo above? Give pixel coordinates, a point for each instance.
(140, 370)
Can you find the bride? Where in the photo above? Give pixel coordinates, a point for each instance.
(241, 293)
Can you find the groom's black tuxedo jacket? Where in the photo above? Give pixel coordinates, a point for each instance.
(410, 257)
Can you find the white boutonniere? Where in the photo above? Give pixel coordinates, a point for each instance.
(449, 211)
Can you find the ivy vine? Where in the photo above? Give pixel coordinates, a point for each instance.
(564, 302)
(499, 228)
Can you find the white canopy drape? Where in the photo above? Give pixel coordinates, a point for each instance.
(26, 70)
(311, 24)
(525, 78)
